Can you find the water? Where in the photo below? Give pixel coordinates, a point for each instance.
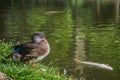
(83, 29)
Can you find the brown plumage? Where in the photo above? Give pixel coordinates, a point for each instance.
(35, 50)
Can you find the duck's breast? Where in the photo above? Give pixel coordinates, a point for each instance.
(45, 49)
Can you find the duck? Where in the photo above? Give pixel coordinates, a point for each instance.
(35, 50)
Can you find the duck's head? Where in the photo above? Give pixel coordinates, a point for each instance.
(37, 37)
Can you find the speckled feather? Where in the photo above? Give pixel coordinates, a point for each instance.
(30, 50)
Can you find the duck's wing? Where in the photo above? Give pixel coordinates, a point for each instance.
(39, 52)
(29, 45)
(30, 51)
(24, 48)
(20, 51)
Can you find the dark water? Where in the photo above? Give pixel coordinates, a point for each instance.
(83, 29)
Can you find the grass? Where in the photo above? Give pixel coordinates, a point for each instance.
(19, 71)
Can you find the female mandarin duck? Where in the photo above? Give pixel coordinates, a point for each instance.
(35, 50)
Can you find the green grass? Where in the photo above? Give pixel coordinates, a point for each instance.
(19, 71)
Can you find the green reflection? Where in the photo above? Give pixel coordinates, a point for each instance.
(58, 20)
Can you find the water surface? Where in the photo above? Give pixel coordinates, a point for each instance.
(83, 29)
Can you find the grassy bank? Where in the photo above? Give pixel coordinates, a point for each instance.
(19, 71)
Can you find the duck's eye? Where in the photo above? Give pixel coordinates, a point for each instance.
(41, 36)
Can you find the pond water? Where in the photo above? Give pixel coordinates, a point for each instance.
(84, 29)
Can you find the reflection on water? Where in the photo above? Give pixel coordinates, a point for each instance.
(80, 55)
(83, 29)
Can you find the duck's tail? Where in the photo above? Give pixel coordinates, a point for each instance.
(15, 56)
